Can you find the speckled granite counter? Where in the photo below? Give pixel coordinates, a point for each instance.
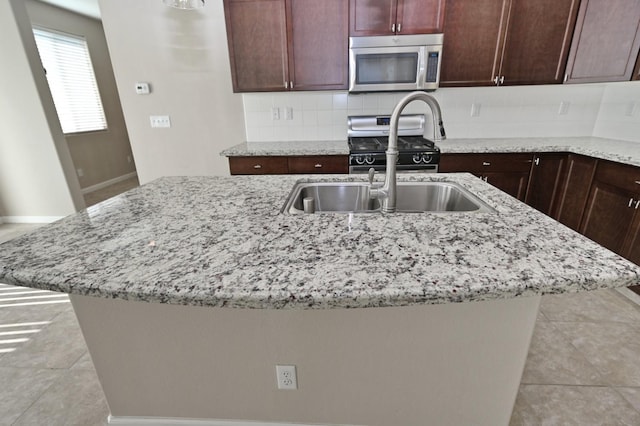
(219, 241)
(287, 148)
(606, 149)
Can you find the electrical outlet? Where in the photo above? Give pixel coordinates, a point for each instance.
(80, 172)
(160, 121)
(475, 109)
(286, 376)
(275, 113)
(564, 108)
(288, 113)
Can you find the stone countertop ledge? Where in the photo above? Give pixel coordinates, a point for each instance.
(223, 241)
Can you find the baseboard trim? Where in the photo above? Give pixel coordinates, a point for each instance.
(29, 219)
(629, 294)
(109, 182)
(167, 421)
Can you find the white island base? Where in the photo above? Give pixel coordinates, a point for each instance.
(457, 364)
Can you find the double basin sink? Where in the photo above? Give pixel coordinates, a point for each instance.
(353, 197)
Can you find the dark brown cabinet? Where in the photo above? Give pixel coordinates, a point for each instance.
(387, 17)
(611, 216)
(636, 71)
(268, 165)
(277, 45)
(506, 42)
(545, 181)
(606, 41)
(507, 172)
(573, 192)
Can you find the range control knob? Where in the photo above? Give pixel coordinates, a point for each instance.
(359, 160)
(369, 159)
(426, 158)
(417, 158)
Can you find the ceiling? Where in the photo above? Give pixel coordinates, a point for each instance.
(88, 8)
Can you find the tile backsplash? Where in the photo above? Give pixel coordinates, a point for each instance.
(607, 110)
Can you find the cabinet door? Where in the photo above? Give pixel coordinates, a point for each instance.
(420, 16)
(538, 37)
(606, 41)
(573, 193)
(319, 47)
(371, 17)
(608, 216)
(636, 71)
(474, 35)
(257, 38)
(513, 183)
(544, 181)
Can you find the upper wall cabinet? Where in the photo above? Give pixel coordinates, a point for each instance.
(278, 45)
(506, 42)
(606, 42)
(387, 17)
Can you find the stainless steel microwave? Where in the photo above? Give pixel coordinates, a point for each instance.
(395, 63)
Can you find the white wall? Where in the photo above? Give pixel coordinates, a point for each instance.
(37, 181)
(619, 116)
(510, 111)
(102, 156)
(184, 56)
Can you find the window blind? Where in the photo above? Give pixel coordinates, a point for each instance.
(72, 81)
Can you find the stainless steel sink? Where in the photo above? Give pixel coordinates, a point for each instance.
(413, 197)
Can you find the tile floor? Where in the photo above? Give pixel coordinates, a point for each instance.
(583, 366)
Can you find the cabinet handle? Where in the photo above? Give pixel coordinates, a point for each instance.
(399, 27)
(393, 28)
(486, 163)
(498, 80)
(286, 84)
(630, 202)
(637, 204)
(317, 166)
(638, 182)
(257, 166)
(291, 84)
(485, 178)
(495, 80)
(537, 161)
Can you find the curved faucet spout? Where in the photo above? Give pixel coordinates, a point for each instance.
(388, 190)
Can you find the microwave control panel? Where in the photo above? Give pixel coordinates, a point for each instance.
(432, 67)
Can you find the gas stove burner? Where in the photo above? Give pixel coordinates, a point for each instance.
(417, 143)
(368, 142)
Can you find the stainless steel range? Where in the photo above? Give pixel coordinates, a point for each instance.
(368, 141)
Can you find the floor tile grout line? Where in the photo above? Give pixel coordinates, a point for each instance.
(35, 400)
(615, 388)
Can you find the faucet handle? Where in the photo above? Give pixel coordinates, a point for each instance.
(372, 174)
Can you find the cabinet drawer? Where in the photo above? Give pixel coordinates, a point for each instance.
(319, 164)
(619, 175)
(258, 165)
(478, 163)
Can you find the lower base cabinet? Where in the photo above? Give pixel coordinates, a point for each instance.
(278, 165)
(507, 172)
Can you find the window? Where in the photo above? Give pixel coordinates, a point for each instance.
(72, 82)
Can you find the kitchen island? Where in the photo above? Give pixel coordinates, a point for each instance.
(189, 290)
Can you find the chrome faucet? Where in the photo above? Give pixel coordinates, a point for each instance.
(387, 193)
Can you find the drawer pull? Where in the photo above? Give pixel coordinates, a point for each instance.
(637, 204)
(638, 182)
(486, 163)
(630, 202)
(317, 166)
(257, 166)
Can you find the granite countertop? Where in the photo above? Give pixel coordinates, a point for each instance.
(606, 149)
(222, 241)
(250, 149)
